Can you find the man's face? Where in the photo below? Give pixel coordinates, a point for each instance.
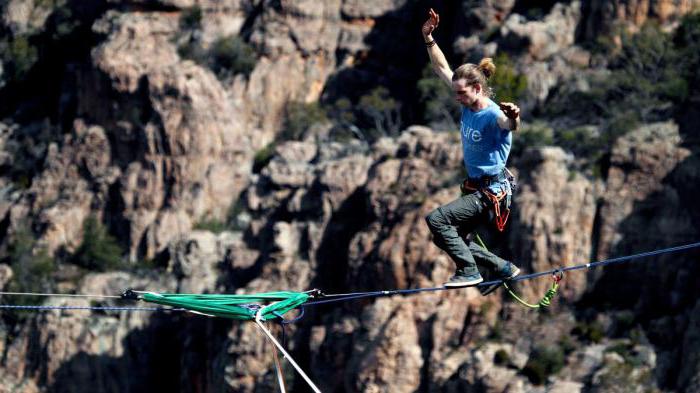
(465, 94)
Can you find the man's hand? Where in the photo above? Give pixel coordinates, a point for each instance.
(512, 116)
(430, 24)
(510, 110)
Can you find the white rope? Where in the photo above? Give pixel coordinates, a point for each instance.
(278, 366)
(258, 321)
(57, 295)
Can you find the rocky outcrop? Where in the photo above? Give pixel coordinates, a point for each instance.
(603, 16)
(160, 143)
(75, 177)
(5, 275)
(640, 164)
(554, 213)
(327, 216)
(487, 14)
(648, 187)
(25, 17)
(541, 39)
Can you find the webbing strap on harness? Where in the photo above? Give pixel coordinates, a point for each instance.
(495, 199)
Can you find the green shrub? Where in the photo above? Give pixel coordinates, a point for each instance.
(341, 113)
(649, 74)
(501, 358)
(99, 251)
(64, 22)
(624, 377)
(216, 226)
(191, 18)
(31, 266)
(535, 134)
(591, 332)
(506, 83)
(227, 56)
(543, 362)
(380, 112)
(263, 156)
(230, 56)
(440, 109)
(18, 57)
(687, 40)
(625, 321)
(567, 344)
(627, 352)
(192, 50)
(299, 117)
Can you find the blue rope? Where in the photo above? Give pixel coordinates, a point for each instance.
(101, 308)
(361, 295)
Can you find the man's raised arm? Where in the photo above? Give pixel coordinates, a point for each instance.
(437, 58)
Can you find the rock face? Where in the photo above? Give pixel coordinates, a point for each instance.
(180, 143)
(645, 159)
(74, 177)
(602, 16)
(543, 38)
(157, 143)
(554, 215)
(300, 236)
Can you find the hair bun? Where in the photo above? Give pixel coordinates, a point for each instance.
(487, 67)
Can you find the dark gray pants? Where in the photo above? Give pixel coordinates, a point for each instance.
(449, 223)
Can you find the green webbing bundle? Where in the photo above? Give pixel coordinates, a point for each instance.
(244, 307)
(546, 301)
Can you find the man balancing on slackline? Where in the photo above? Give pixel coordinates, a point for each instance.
(486, 140)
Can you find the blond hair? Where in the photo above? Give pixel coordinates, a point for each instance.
(474, 74)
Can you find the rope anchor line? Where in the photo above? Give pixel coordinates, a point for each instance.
(246, 306)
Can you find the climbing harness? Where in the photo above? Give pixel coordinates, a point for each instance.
(500, 202)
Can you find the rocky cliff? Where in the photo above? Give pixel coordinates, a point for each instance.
(153, 144)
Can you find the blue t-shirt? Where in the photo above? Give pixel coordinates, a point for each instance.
(485, 144)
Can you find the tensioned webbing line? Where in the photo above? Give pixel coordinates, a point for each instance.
(360, 295)
(59, 295)
(330, 298)
(96, 308)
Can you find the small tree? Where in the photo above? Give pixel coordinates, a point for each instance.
(506, 83)
(543, 362)
(31, 265)
(18, 57)
(440, 108)
(342, 115)
(231, 55)
(382, 111)
(99, 251)
(226, 57)
(299, 117)
(191, 18)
